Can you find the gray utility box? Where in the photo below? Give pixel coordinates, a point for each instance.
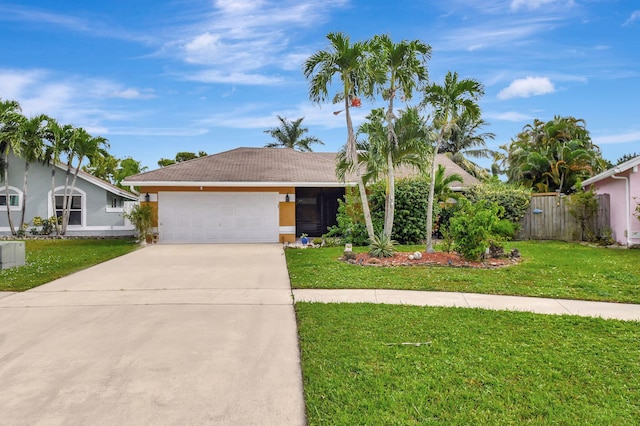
(11, 254)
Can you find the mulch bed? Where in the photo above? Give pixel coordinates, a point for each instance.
(433, 259)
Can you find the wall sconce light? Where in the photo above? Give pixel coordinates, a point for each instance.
(147, 197)
(286, 198)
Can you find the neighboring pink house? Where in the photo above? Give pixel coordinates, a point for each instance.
(622, 183)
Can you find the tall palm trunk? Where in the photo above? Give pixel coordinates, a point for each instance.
(67, 209)
(53, 196)
(352, 155)
(429, 247)
(390, 198)
(7, 198)
(24, 194)
(65, 199)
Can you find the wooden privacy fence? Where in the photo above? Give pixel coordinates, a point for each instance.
(548, 218)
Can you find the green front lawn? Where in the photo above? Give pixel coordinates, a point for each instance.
(471, 367)
(548, 269)
(48, 260)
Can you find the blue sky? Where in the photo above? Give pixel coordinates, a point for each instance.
(158, 77)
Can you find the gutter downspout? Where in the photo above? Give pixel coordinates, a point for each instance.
(627, 203)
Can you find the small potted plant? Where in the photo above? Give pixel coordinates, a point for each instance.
(303, 239)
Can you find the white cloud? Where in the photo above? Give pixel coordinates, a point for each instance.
(155, 131)
(634, 17)
(81, 101)
(534, 4)
(215, 76)
(617, 138)
(496, 33)
(525, 87)
(237, 38)
(508, 116)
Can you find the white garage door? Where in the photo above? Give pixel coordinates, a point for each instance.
(218, 217)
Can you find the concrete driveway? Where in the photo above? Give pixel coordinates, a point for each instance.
(170, 334)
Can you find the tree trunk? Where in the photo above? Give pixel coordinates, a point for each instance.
(429, 248)
(6, 191)
(390, 198)
(352, 155)
(366, 211)
(67, 210)
(24, 194)
(53, 197)
(65, 198)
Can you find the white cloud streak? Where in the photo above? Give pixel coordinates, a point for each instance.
(526, 87)
(617, 138)
(508, 116)
(70, 99)
(238, 40)
(635, 16)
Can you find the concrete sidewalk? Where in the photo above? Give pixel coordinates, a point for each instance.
(170, 334)
(621, 311)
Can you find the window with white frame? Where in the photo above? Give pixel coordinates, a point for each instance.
(75, 211)
(15, 199)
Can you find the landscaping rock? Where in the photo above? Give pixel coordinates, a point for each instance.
(411, 257)
(417, 255)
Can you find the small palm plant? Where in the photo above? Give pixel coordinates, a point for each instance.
(141, 216)
(382, 245)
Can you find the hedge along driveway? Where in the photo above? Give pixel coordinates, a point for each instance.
(548, 269)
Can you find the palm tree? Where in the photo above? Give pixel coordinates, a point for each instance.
(10, 119)
(289, 135)
(410, 149)
(352, 64)
(468, 140)
(448, 101)
(59, 138)
(442, 190)
(405, 67)
(84, 146)
(553, 156)
(32, 133)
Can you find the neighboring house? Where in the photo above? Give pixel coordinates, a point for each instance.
(96, 210)
(249, 195)
(622, 183)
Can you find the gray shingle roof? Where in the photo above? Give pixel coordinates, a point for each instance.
(260, 165)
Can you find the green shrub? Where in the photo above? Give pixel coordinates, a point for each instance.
(141, 217)
(350, 228)
(472, 228)
(513, 199)
(583, 205)
(382, 246)
(410, 218)
(505, 229)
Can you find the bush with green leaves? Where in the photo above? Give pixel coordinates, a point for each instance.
(410, 218)
(409, 224)
(472, 228)
(141, 217)
(513, 199)
(583, 205)
(382, 246)
(350, 228)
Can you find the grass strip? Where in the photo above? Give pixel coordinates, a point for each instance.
(47, 260)
(471, 367)
(548, 269)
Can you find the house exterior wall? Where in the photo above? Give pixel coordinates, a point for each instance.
(99, 218)
(287, 217)
(619, 214)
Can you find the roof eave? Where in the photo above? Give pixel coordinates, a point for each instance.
(237, 184)
(621, 168)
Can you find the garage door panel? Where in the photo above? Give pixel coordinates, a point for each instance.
(218, 217)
